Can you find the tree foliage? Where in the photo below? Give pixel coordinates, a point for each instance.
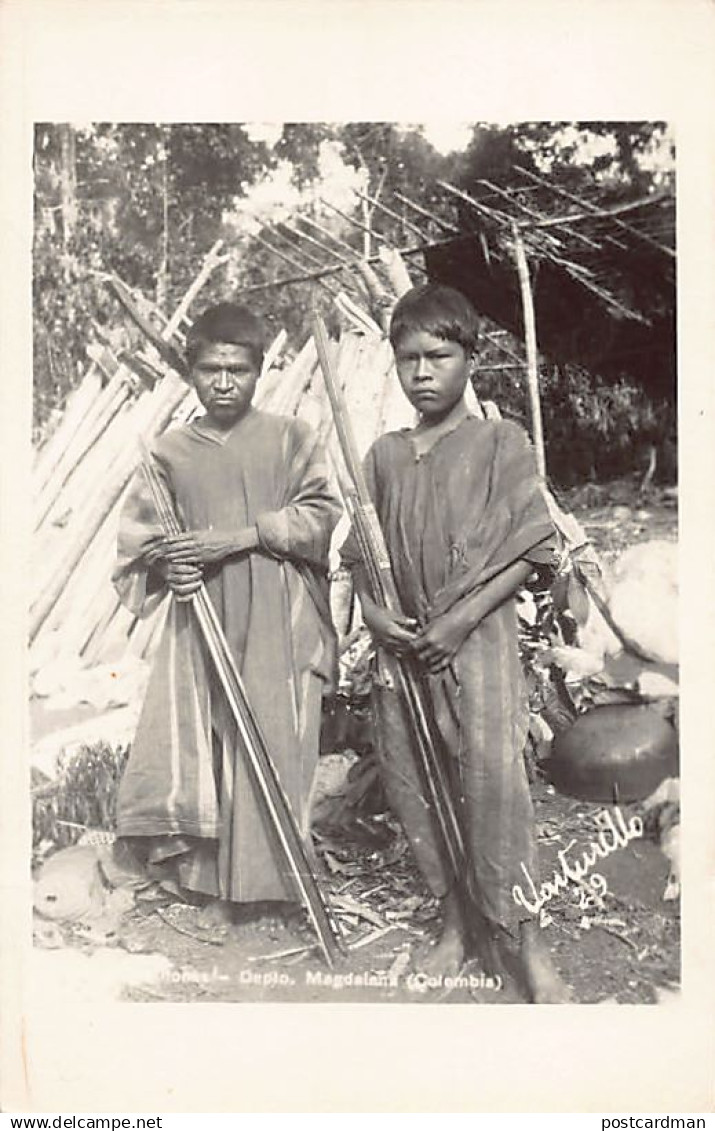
(147, 201)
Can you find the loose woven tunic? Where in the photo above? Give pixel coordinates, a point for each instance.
(186, 785)
(453, 518)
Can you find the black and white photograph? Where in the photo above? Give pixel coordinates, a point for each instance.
(358, 511)
(354, 638)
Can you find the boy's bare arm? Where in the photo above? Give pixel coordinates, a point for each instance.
(395, 632)
(437, 644)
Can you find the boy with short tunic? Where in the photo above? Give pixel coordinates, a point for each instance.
(466, 525)
(252, 493)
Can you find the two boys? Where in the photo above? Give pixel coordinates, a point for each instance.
(465, 524)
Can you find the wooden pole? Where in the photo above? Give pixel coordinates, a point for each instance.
(438, 220)
(357, 224)
(212, 260)
(391, 213)
(292, 261)
(536, 216)
(331, 235)
(532, 357)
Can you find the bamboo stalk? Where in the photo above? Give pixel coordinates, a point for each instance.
(94, 410)
(301, 259)
(279, 233)
(582, 202)
(494, 368)
(212, 260)
(289, 280)
(316, 243)
(101, 625)
(78, 404)
(309, 276)
(443, 224)
(102, 503)
(67, 515)
(396, 270)
(87, 441)
(391, 213)
(292, 262)
(615, 210)
(286, 395)
(356, 315)
(84, 592)
(356, 223)
(347, 266)
(537, 215)
(532, 370)
(354, 253)
(577, 272)
(492, 213)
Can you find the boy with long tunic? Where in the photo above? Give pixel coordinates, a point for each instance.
(465, 524)
(251, 491)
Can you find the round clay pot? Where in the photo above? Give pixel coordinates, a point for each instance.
(615, 753)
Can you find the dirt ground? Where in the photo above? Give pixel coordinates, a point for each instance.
(627, 950)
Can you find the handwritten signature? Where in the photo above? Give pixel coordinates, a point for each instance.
(612, 835)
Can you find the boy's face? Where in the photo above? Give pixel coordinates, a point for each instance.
(225, 377)
(433, 373)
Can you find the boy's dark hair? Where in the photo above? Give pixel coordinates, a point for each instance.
(227, 322)
(439, 310)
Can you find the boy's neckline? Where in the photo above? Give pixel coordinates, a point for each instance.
(424, 437)
(216, 435)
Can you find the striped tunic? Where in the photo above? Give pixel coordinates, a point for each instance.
(453, 517)
(186, 786)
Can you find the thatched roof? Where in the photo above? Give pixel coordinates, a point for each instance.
(603, 274)
(603, 268)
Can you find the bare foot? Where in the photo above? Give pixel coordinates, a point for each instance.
(447, 958)
(543, 981)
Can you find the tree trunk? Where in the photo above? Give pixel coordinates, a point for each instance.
(162, 274)
(68, 185)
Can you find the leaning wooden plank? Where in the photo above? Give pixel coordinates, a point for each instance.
(122, 386)
(70, 554)
(110, 623)
(109, 640)
(67, 515)
(77, 618)
(51, 543)
(82, 485)
(397, 273)
(173, 391)
(77, 405)
(145, 634)
(95, 411)
(77, 603)
(101, 631)
(296, 381)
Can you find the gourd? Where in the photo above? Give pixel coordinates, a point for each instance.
(619, 752)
